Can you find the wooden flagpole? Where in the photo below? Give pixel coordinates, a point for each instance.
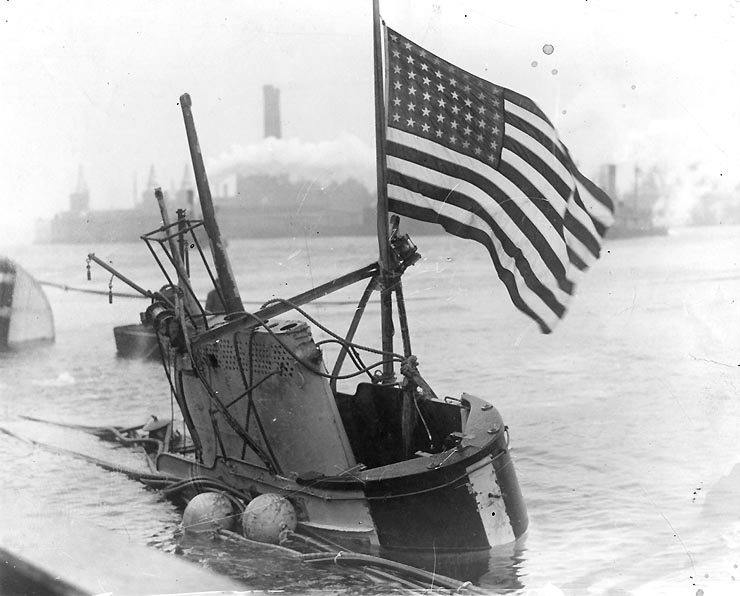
(386, 273)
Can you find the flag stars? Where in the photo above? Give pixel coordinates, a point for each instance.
(450, 107)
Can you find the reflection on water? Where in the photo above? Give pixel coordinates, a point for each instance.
(625, 422)
(496, 568)
(264, 568)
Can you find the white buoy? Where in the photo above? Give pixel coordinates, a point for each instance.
(208, 511)
(266, 516)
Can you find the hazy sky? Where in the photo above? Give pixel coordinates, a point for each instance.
(96, 84)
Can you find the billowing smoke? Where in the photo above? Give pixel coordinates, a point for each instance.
(695, 180)
(684, 180)
(687, 156)
(323, 162)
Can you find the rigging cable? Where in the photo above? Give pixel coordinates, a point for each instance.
(313, 369)
(328, 331)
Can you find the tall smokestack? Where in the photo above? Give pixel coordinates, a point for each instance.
(272, 111)
(611, 181)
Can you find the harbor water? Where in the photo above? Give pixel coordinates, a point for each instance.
(624, 422)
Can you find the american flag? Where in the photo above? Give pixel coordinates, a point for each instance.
(487, 164)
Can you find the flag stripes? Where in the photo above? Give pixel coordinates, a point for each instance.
(467, 225)
(597, 203)
(496, 187)
(485, 163)
(584, 244)
(537, 284)
(468, 184)
(458, 200)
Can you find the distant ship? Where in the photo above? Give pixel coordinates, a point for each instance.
(632, 224)
(636, 210)
(262, 206)
(258, 206)
(282, 206)
(276, 206)
(80, 224)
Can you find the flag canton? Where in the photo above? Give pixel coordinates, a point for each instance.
(433, 99)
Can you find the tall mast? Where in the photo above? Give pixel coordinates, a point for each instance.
(232, 299)
(386, 273)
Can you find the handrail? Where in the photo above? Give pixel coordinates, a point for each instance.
(277, 309)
